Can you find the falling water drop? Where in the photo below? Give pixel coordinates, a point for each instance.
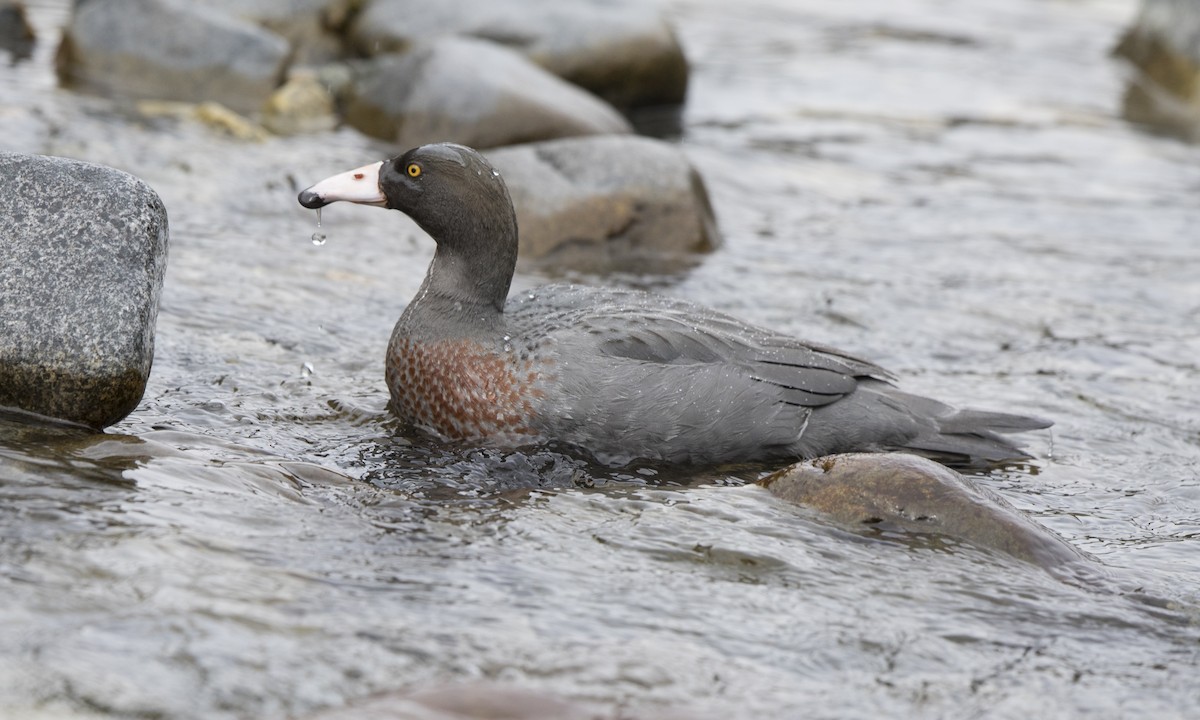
(318, 237)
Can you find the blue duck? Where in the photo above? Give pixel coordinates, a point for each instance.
(621, 373)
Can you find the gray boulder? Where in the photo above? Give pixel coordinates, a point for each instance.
(603, 203)
(84, 248)
(1164, 46)
(621, 50)
(170, 50)
(473, 92)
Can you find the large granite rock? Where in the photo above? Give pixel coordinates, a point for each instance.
(608, 202)
(896, 491)
(621, 50)
(472, 92)
(171, 50)
(1164, 46)
(84, 248)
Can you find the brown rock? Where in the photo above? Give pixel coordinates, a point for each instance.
(915, 495)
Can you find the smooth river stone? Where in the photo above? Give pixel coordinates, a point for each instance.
(472, 92)
(168, 50)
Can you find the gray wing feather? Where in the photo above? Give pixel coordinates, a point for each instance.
(683, 382)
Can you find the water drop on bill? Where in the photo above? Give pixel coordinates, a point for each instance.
(318, 237)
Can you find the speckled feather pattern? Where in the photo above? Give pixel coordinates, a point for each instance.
(462, 389)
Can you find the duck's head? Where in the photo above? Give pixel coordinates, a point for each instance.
(456, 196)
(443, 187)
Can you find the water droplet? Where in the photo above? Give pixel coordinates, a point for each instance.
(318, 238)
(306, 369)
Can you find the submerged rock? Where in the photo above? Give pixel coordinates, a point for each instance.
(472, 92)
(170, 50)
(492, 701)
(1164, 45)
(916, 495)
(85, 248)
(621, 50)
(606, 202)
(477, 701)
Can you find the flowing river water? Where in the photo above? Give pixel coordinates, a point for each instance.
(945, 188)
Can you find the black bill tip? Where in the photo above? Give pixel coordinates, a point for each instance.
(311, 200)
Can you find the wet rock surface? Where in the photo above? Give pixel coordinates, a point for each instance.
(623, 51)
(84, 251)
(1164, 45)
(602, 203)
(168, 50)
(473, 92)
(896, 491)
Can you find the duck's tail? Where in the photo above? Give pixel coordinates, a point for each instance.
(965, 437)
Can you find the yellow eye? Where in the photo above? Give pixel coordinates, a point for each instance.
(413, 170)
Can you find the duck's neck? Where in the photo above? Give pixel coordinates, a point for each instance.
(462, 295)
(467, 282)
